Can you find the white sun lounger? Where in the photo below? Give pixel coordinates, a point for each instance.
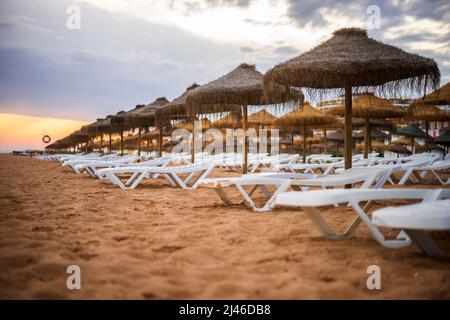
(419, 172)
(194, 174)
(310, 201)
(91, 167)
(295, 181)
(415, 220)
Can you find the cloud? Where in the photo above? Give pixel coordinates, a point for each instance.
(130, 52)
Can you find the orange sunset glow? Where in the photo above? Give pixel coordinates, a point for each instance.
(25, 132)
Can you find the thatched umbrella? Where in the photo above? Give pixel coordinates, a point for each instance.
(398, 148)
(401, 141)
(351, 59)
(80, 137)
(336, 136)
(144, 116)
(444, 138)
(381, 124)
(90, 130)
(374, 134)
(413, 131)
(261, 118)
(242, 86)
(106, 126)
(304, 117)
(175, 110)
(427, 113)
(231, 120)
(206, 124)
(439, 97)
(368, 106)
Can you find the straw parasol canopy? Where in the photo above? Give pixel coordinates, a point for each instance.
(261, 118)
(367, 106)
(145, 115)
(231, 120)
(438, 97)
(206, 124)
(90, 129)
(140, 116)
(427, 113)
(176, 109)
(401, 141)
(304, 117)
(397, 148)
(413, 131)
(375, 123)
(242, 86)
(351, 59)
(374, 134)
(336, 136)
(444, 138)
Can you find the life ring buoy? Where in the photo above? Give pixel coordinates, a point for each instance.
(46, 139)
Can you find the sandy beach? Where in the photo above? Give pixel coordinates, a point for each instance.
(157, 242)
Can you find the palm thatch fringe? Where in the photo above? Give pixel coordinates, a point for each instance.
(350, 57)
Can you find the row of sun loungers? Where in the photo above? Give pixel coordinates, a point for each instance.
(283, 180)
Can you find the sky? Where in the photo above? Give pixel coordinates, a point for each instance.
(129, 52)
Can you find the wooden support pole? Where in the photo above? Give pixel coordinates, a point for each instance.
(427, 128)
(139, 141)
(193, 142)
(348, 127)
(366, 137)
(244, 128)
(121, 143)
(325, 141)
(110, 141)
(160, 140)
(304, 144)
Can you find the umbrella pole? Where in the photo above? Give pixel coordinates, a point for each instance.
(160, 139)
(110, 141)
(325, 141)
(101, 143)
(304, 144)
(427, 127)
(292, 142)
(139, 142)
(348, 127)
(366, 137)
(244, 128)
(193, 142)
(121, 143)
(412, 145)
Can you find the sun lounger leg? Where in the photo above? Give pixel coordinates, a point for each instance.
(131, 179)
(316, 217)
(138, 180)
(114, 179)
(426, 244)
(225, 198)
(406, 176)
(402, 239)
(203, 175)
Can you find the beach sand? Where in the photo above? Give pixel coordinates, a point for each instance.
(157, 242)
